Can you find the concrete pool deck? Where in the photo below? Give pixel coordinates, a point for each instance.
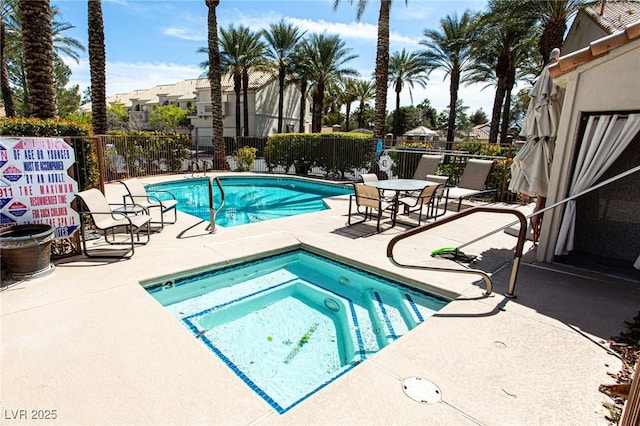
(88, 342)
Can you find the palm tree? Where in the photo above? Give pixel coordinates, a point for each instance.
(554, 15)
(505, 46)
(348, 96)
(97, 59)
(449, 49)
(13, 58)
(9, 27)
(332, 103)
(282, 39)
(364, 91)
(300, 71)
(252, 58)
(231, 62)
(382, 60)
(215, 76)
(37, 40)
(405, 69)
(242, 50)
(327, 54)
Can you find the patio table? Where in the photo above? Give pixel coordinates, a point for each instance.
(400, 186)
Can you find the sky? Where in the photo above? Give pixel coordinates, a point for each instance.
(156, 42)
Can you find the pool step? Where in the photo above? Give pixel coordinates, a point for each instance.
(392, 315)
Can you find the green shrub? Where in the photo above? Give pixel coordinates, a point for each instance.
(245, 157)
(334, 153)
(482, 148)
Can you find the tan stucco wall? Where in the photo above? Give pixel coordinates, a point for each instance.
(582, 32)
(606, 84)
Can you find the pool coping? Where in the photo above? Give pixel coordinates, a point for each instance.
(99, 350)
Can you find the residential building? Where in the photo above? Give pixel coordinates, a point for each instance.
(262, 97)
(602, 96)
(598, 20)
(263, 107)
(480, 132)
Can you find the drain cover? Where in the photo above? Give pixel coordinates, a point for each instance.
(421, 390)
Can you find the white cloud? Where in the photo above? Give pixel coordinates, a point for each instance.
(351, 31)
(238, 17)
(185, 34)
(123, 77)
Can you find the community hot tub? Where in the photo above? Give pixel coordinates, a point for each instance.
(291, 323)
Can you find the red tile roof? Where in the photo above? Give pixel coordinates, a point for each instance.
(613, 16)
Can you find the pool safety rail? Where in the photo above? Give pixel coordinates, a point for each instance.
(522, 219)
(197, 167)
(212, 210)
(485, 276)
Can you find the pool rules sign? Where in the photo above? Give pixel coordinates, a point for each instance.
(34, 184)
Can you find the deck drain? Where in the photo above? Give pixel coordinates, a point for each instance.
(421, 390)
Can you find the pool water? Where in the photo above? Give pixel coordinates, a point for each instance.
(251, 199)
(291, 323)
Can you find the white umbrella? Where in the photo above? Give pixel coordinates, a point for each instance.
(531, 166)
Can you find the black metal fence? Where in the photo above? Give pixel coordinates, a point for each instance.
(121, 157)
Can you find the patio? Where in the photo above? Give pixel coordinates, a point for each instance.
(88, 342)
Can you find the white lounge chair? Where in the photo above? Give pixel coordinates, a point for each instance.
(137, 194)
(109, 221)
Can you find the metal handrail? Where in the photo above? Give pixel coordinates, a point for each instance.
(191, 167)
(488, 281)
(213, 211)
(204, 163)
(522, 219)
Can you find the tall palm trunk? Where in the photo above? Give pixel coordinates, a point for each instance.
(502, 70)
(237, 89)
(382, 69)
(346, 119)
(552, 37)
(219, 160)
(496, 112)
(506, 109)
(303, 102)
(396, 113)
(282, 75)
(38, 57)
(97, 59)
(318, 101)
(245, 100)
(361, 114)
(453, 102)
(7, 95)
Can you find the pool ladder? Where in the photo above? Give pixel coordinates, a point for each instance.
(212, 210)
(197, 167)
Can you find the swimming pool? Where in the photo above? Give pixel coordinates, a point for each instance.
(289, 324)
(252, 199)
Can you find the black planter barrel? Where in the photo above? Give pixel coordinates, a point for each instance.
(26, 250)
